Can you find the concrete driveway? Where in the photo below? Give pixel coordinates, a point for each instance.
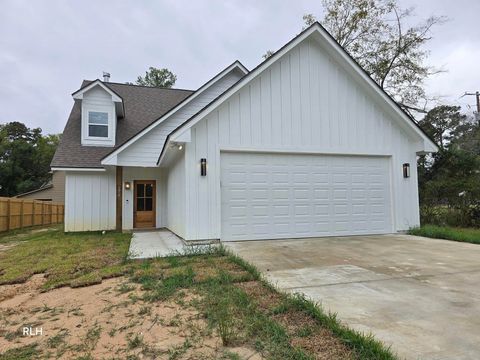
(419, 295)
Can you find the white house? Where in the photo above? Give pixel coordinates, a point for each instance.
(304, 145)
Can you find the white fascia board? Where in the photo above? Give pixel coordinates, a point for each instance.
(111, 161)
(77, 169)
(184, 137)
(339, 51)
(235, 65)
(78, 95)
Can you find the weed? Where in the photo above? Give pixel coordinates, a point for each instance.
(168, 286)
(58, 339)
(177, 351)
(304, 331)
(76, 312)
(175, 321)
(22, 353)
(228, 355)
(125, 288)
(134, 341)
(85, 357)
(173, 261)
(92, 336)
(145, 310)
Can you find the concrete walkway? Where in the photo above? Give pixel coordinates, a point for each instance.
(419, 295)
(150, 244)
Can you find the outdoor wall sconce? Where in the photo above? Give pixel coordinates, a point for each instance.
(406, 170)
(203, 167)
(127, 185)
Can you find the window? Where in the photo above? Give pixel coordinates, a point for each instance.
(97, 124)
(144, 197)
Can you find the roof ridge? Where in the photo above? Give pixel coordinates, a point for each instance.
(145, 86)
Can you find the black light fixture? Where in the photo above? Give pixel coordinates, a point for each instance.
(406, 170)
(127, 185)
(203, 167)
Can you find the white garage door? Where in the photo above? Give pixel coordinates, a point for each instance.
(273, 196)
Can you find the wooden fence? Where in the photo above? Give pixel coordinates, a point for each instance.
(19, 213)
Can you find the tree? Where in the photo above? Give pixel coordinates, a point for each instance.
(449, 179)
(375, 33)
(442, 123)
(157, 78)
(25, 157)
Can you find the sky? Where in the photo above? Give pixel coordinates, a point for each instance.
(47, 47)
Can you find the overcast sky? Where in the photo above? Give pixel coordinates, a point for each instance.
(48, 47)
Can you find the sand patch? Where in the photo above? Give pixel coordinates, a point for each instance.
(104, 321)
(21, 291)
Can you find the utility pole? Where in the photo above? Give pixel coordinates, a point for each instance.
(477, 96)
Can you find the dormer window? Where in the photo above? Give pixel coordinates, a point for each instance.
(100, 107)
(98, 124)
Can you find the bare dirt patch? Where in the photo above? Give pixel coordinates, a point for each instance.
(5, 247)
(22, 291)
(105, 320)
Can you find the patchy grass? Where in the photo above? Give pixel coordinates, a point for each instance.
(469, 235)
(22, 353)
(75, 259)
(238, 309)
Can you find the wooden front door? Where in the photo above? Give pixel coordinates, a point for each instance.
(144, 207)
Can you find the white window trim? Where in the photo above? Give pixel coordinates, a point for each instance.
(98, 124)
(88, 140)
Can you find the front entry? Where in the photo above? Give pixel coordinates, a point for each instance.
(144, 207)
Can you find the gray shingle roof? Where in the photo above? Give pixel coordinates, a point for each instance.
(143, 105)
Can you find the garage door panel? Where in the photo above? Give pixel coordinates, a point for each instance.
(268, 196)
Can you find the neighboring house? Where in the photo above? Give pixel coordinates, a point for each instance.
(54, 190)
(304, 145)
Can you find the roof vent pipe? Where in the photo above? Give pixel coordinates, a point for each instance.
(106, 76)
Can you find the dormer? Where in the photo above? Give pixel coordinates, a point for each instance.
(101, 108)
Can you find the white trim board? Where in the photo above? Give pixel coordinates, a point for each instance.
(77, 169)
(78, 95)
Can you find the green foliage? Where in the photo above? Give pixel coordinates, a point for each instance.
(449, 181)
(22, 353)
(448, 233)
(442, 123)
(378, 35)
(167, 286)
(25, 156)
(157, 78)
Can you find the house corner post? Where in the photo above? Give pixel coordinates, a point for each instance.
(119, 199)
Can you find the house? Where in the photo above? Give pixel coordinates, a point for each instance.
(304, 145)
(54, 190)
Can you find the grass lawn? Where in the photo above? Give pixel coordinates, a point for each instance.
(203, 306)
(449, 233)
(74, 259)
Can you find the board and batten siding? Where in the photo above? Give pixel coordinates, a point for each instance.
(145, 151)
(304, 102)
(90, 200)
(176, 197)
